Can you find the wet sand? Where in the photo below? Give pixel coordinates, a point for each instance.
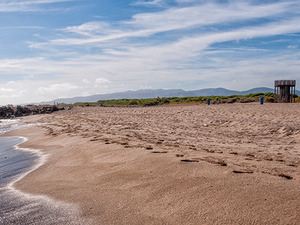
(16, 207)
(193, 164)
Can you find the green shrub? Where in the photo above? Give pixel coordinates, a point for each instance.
(269, 94)
(233, 96)
(270, 99)
(133, 102)
(254, 95)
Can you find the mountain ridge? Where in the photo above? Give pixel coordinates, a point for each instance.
(153, 93)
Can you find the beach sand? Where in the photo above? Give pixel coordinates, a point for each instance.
(187, 164)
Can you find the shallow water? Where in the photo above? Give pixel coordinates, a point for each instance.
(20, 208)
(7, 125)
(13, 162)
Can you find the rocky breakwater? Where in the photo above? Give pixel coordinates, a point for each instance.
(12, 112)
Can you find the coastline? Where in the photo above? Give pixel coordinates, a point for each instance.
(26, 208)
(118, 181)
(41, 158)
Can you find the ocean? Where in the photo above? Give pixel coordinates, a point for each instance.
(17, 207)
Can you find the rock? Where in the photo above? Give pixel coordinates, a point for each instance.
(11, 112)
(6, 112)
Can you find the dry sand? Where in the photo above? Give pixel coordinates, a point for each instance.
(193, 164)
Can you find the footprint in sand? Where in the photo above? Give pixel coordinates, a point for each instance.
(247, 158)
(214, 160)
(286, 176)
(106, 141)
(268, 159)
(242, 171)
(233, 153)
(93, 140)
(189, 160)
(159, 152)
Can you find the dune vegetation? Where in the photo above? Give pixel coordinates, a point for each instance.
(268, 97)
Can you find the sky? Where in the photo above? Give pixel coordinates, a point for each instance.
(65, 48)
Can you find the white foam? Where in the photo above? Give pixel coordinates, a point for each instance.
(50, 203)
(57, 211)
(62, 211)
(9, 121)
(41, 160)
(7, 124)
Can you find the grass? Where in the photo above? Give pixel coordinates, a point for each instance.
(268, 97)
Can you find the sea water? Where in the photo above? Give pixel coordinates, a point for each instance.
(17, 207)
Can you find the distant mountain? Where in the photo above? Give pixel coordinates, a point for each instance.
(149, 93)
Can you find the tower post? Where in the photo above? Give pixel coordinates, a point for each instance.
(285, 91)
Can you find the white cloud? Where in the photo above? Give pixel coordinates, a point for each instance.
(136, 72)
(57, 88)
(293, 46)
(159, 50)
(6, 90)
(150, 3)
(187, 1)
(174, 19)
(206, 14)
(86, 81)
(88, 29)
(26, 5)
(101, 82)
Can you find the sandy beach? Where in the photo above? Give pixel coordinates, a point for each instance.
(181, 164)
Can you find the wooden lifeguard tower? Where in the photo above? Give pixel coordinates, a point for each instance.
(285, 91)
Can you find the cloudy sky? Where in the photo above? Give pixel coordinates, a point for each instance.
(64, 48)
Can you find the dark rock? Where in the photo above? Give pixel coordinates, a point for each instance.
(11, 112)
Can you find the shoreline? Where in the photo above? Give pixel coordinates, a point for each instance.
(114, 180)
(44, 207)
(41, 160)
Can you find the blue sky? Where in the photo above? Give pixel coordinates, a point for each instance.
(65, 48)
